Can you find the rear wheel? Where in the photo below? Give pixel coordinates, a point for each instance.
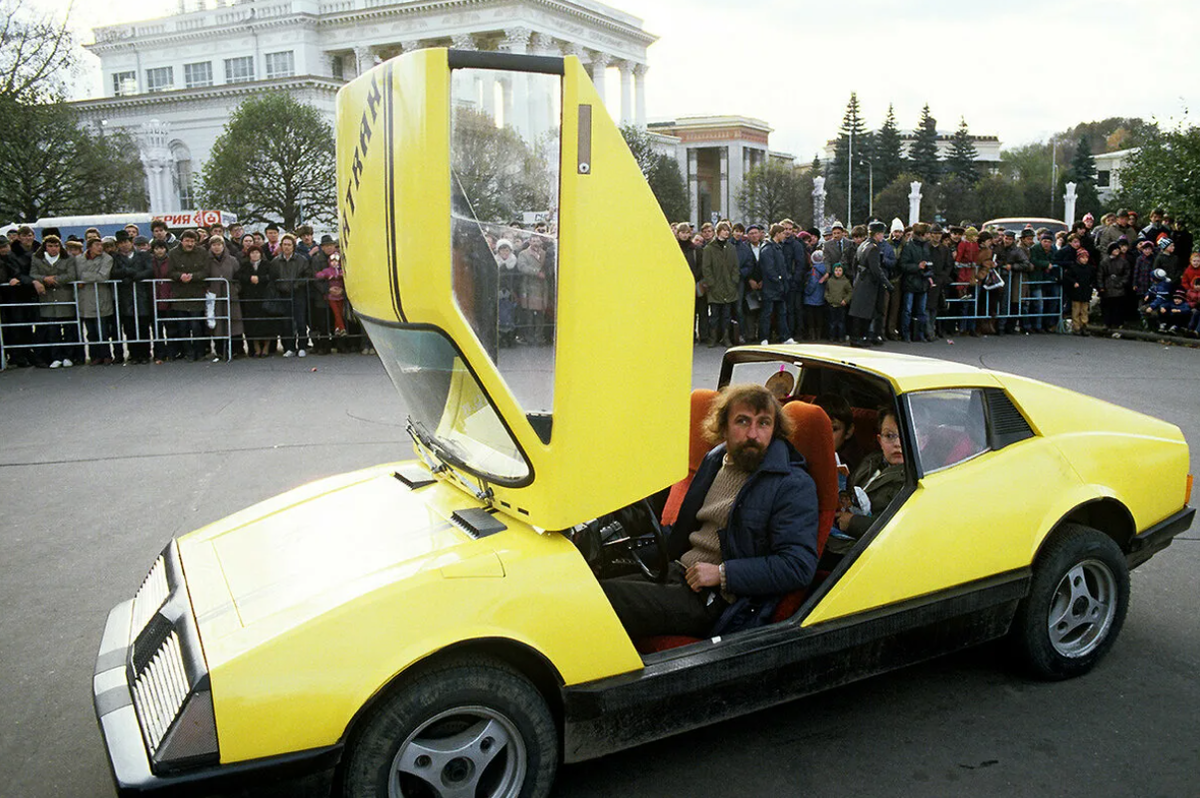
(473, 729)
(1076, 604)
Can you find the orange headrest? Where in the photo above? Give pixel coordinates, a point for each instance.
(813, 437)
(698, 446)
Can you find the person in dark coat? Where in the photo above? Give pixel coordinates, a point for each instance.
(134, 312)
(746, 533)
(1114, 277)
(18, 296)
(772, 275)
(188, 270)
(943, 276)
(916, 267)
(1077, 288)
(683, 234)
(868, 285)
(290, 272)
(255, 280)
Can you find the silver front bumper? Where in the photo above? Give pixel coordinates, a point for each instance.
(112, 696)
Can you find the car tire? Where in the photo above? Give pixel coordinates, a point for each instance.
(467, 721)
(1076, 604)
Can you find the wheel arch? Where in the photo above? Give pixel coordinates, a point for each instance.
(521, 657)
(1104, 514)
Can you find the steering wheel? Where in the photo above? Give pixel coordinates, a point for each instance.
(659, 572)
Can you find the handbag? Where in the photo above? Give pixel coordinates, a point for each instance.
(993, 281)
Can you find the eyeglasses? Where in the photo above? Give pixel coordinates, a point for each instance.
(890, 437)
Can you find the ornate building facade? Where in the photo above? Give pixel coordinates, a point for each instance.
(175, 81)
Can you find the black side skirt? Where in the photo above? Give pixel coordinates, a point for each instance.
(1158, 537)
(764, 667)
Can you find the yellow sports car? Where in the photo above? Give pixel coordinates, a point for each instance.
(436, 626)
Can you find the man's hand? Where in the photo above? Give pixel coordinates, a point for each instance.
(703, 574)
(755, 284)
(843, 520)
(186, 277)
(254, 279)
(51, 280)
(41, 289)
(14, 281)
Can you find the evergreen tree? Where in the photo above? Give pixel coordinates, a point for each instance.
(1083, 173)
(923, 154)
(661, 171)
(816, 166)
(853, 133)
(889, 154)
(961, 162)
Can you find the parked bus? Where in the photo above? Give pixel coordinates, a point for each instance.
(110, 223)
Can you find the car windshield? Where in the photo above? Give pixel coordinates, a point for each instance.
(447, 408)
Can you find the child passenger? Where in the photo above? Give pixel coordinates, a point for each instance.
(845, 448)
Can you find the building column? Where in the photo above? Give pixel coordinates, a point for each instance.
(639, 91)
(724, 168)
(516, 100)
(364, 59)
(158, 164)
(541, 107)
(599, 70)
(693, 178)
(737, 176)
(626, 92)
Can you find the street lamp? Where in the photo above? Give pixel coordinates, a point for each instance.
(870, 188)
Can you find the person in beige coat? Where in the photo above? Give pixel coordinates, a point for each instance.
(94, 270)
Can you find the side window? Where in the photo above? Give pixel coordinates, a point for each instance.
(950, 426)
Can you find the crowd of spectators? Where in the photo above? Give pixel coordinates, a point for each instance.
(207, 293)
(758, 283)
(221, 294)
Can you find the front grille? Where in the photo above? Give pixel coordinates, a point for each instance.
(151, 595)
(160, 689)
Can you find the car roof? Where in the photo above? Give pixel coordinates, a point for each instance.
(904, 372)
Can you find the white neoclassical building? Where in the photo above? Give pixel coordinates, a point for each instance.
(174, 81)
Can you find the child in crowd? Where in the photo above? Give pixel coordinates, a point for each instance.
(837, 295)
(1157, 298)
(814, 297)
(337, 292)
(1193, 302)
(1191, 272)
(1176, 314)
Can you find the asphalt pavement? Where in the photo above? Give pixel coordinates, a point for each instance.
(100, 467)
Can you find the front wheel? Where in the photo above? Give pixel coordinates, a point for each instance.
(1076, 604)
(473, 729)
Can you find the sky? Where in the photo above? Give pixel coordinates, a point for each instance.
(1032, 69)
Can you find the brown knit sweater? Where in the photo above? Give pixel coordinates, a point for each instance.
(713, 515)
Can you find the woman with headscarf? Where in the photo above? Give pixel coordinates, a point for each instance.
(228, 314)
(254, 279)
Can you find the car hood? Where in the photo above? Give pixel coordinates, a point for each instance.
(315, 547)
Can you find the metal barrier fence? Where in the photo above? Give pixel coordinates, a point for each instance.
(160, 329)
(1033, 302)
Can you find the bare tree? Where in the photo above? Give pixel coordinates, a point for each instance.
(36, 54)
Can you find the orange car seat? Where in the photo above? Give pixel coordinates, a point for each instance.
(698, 446)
